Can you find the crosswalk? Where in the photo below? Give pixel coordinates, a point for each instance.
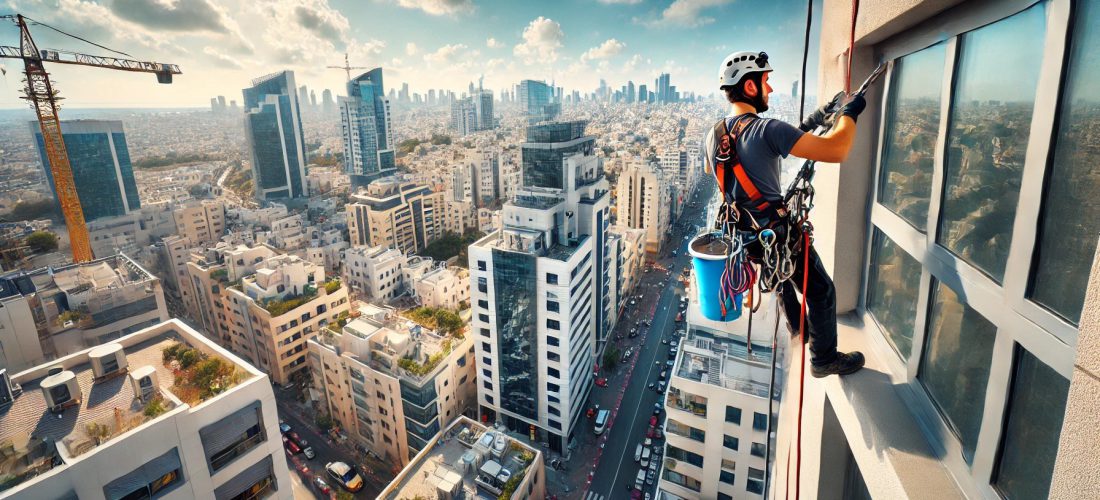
(592, 495)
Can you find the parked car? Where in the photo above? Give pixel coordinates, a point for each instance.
(638, 452)
(645, 457)
(601, 382)
(302, 444)
(284, 427)
(639, 480)
(345, 476)
(664, 374)
(661, 386)
(650, 477)
(321, 486)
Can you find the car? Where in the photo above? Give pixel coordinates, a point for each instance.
(664, 374)
(672, 352)
(661, 386)
(674, 344)
(646, 453)
(284, 427)
(650, 477)
(601, 421)
(639, 480)
(638, 452)
(653, 421)
(321, 485)
(293, 436)
(308, 452)
(601, 382)
(668, 363)
(291, 447)
(679, 317)
(657, 408)
(652, 385)
(344, 476)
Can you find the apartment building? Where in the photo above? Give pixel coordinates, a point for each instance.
(392, 383)
(541, 292)
(396, 213)
(717, 406)
(643, 197)
(209, 272)
(275, 309)
(201, 222)
(631, 259)
(375, 273)
(130, 232)
(445, 287)
(125, 420)
(53, 312)
(961, 232)
(470, 460)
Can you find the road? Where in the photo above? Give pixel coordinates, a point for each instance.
(616, 468)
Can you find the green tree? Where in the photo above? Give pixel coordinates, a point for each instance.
(611, 359)
(33, 210)
(42, 241)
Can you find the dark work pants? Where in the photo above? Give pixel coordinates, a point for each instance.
(820, 304)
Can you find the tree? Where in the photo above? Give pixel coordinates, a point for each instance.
(611, 359)
(42, 241)
(41, 209)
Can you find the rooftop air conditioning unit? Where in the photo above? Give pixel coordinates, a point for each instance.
(8, 390)
(107, 360)
(60, 390)
(144, 382)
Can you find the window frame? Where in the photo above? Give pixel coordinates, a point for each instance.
(1043, 333)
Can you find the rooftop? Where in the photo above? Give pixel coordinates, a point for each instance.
(467, 460)
(111, 272)
(35, 438)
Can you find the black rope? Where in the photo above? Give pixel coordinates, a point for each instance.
(85, 40)
(805, 59)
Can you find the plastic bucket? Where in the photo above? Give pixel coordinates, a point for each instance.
(708, 260)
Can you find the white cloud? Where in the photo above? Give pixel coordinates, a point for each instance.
(438, 7)
(625, 2)
(606, 50)
(493, 43)
(686, 13)
(448, 54)
(411, 49)
(219, 59)
(541, 40)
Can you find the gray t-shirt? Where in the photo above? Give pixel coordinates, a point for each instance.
(762, 145)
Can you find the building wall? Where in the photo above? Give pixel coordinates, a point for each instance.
(201, 222)
(20, 347)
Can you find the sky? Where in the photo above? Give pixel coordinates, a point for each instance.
(221, 45)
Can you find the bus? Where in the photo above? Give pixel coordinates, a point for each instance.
(601, 421)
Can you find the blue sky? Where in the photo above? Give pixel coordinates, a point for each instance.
(221, 45)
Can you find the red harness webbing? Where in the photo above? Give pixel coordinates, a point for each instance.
(728, 162)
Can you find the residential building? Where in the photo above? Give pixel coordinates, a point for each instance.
(443, 287)
(483, 101)
(276, 143)
(392, 383)
(122, 421)
(367, 129)
(961, 232)
(717, 406)
(129, 233)
(50, 313)
(642, 202)
(209, 272)
(394, 212)
(375, 272)
(464, 117)
(100, 164)
(469, 460)
(277, 308)
(542, 298)
(201, 222)
(631, 260)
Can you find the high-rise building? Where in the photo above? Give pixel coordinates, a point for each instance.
(221, 103)
(542, 289)
(391, 383)
(367, 130)
(537, 99)
(794, 90)
(663, 89)
(328, 106)
(395, 212)
(201, 222)
(313, 99)
(629, 92)
(100, 163)
(214, 105)
(125, 420)
(547, 147)
(273, 129)
(303, 98)
(52, 312)
(463, 117)
(643, 202)
(483, 100)
(643, 93)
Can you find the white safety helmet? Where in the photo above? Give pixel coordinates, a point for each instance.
(739, 64)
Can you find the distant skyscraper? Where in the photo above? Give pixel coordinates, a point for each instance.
(367, 129)
(214, 105)
(100, 162)
(221, 103)
(630, 95)
(794, 90)
(664, 93)
(464, 116)
(483, 100)
(273, 128)
(303, 98)
(643, 93)
(233, 105)
(313, 99)
(327, 104)
(537, 98)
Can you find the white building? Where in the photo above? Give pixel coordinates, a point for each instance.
(117, 421)
(445, 287)
(643, 202)
(539, 290)
(375, 272)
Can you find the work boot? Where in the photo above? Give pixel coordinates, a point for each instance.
(844, 364)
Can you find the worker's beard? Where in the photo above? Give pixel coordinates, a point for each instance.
(756, 101)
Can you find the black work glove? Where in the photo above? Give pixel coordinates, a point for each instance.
(821, 116)
(853, 106)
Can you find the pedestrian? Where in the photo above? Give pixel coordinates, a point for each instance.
(744, 153)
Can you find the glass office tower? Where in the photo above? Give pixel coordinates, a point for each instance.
(101, 166)
(367, 130)
(273, 128)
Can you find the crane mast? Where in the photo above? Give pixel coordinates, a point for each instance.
(40, 92)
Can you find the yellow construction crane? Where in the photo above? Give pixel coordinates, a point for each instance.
(347, 67)
(43, 96)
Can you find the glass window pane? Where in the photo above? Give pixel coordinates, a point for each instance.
(892, 290)
(1071, 203)
(912, 125)
(1033, 422)
(990, 122)
(955, 364)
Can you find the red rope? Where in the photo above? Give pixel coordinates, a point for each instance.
(851, 48)
(802, 359)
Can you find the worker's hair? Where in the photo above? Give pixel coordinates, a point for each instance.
(735, 93)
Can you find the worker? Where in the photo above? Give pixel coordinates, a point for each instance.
(759, 144)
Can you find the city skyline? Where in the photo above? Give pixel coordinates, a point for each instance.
(428, 44)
